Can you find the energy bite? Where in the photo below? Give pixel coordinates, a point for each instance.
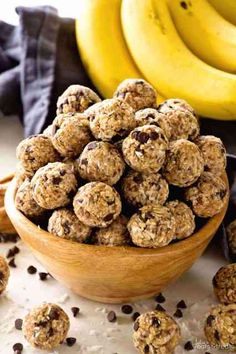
(76, 98)
(184, 163)
(21, 174)
(97, 204)
(46, 326)
(224, 284)
(101, 161)
(138, 93)
(4, 274)
(231, 236)
(140, 189)
(156, 332)
(184, 219)
(54, 185)
(64, 223)
(35, 152)
(208, 196)
(152, 116)
(71, 137)
(25, 202)
(115, 234)
(111, 119)
(152, 226)
(145, 148)
(220, 327)
(175, 103)
(213, 152)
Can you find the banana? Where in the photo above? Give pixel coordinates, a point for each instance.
(227, 8)
(103, 50)
(206, 33)
(167, 63)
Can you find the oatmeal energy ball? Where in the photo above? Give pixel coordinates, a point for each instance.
(152, 116)
(115, 234)
(231, 236)
(71, 137)
(35, 152)
(54, 185)
(184, 163)
(64, 223)
(152, 226)
(4, 274)
(224, 284)
(208, 196)
(184, 219)
(76, 98)
(156, 332)
(138, 93)
(25, 202)
(46, 326)
(145, 148)
(175, 103)
(21, 174)
(97, 204)
(140, 189)
(213, 152)
(111, 119)
(101, 161)
(220, 327)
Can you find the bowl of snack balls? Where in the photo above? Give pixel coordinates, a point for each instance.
(117, 198)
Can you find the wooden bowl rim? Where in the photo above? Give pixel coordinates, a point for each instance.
(197, 238)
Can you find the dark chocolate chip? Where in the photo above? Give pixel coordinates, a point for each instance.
(210, 319)
(17, 346)
(217, 335)
(136, 326)
(42, 324)
(18, 324)
(142, 137)
(138, 178)
(111, 316)
(181, 304)
(75, 311)
(160, 298)
(10, 253)
(4, 238)
(50, 332)
(160, 308)
(108, 217)
(43, 276)
(127, 309)
(156, 322)
(62, 172)
(135, 316)
(188, 345)
(178, 313)
(56, 180)
(146, 349)
(184, 5)
(12, 263)
(70, 341)
(84, 161)
(222, 193)
(66, 227)
(154, 135)
(151, 116)
(53, 314)
(1, 275)
(31, 270)
(92, 145)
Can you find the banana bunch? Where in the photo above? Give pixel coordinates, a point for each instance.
(185, 49)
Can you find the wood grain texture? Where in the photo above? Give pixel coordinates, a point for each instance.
(6, 226)
(111, 274)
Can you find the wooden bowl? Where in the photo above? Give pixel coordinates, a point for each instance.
(111, 274)
(6, 226)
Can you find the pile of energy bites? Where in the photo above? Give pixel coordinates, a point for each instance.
(108, 172)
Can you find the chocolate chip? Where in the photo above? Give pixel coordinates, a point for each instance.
(136, 326)
(178, 313)
(56, 180)
(1, 275)
(92, 145)
(31, 270)
(4, 238)
(62, 172)
(84, 161)
(160, 308)
(138, 178)
(18, 324)
(10, 253)
(222, 193)
(50, 332)
(151, 116)
(184, 5)
(43, 276)
(42, 324)
(127, 309)
(188, 345)
(154, 135)
(142, 137)
(217, 335)
(17, 346)
(146, 349)
(75, 311)
(12, 263)
(135, 316)
(156, 322)
(111, 316)
(210, 319)
(181, 304)
(207, 353)
(70, 341)
(108, 217)
(53, 314)
(160, 298)
(66, 227)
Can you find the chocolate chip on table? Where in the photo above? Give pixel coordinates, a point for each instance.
(4, 238)
(75, 311)
(70, 341)
(127, 309)
(31, 270)
(160, 308)
(178, 313)
(111, 316)
(181, 305)
(43, 276)
(135, 316)
(17, 346)
(160, 298)
(12, 263)
(18, 324)
(188, 345)
(12, 252)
